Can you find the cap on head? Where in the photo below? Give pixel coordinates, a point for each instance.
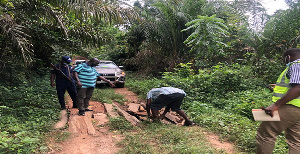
(66, 59)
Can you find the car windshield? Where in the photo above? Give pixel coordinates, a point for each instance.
(106, 65)
(79, 62)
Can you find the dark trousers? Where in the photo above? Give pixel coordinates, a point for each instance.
(83, 97)
(61, 89)
(174, 101)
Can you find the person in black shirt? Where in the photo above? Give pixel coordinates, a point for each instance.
(62, 83)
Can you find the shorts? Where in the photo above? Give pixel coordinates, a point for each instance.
(174, 101)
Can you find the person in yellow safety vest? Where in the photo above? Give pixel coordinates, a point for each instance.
(286, 98)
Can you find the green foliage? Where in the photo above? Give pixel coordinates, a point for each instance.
(282, 31)
(220, 98)
(27, 112)
(119, 124)
(207, 35)
(19, 143)
(268, 69)
(61, 136)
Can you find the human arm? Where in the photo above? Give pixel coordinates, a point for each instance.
(52, 77)
(77, 79)
(167, 109)
(110, 84)
(148, 106)
(291, 94)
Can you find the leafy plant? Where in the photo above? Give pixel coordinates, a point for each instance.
(27, 113)
(206, 38)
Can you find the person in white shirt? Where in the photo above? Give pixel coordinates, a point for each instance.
(171, 97)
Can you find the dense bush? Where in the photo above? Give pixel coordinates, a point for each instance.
(220, 99)
(27, 111)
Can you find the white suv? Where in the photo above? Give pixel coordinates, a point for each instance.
(112, 72)
(77, 62)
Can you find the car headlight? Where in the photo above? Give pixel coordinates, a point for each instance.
(120, 73)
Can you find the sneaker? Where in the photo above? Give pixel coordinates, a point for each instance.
(88, 110)
(81, 112)
(188, 123)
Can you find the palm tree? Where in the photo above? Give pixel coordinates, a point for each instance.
(29, 25)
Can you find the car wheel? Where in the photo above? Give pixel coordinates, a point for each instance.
(120, 85)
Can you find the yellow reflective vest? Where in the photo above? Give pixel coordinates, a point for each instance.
(282, 86)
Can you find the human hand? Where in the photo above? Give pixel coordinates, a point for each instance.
(79, 84)
(270, 109)
(111, 84)
(52, 85)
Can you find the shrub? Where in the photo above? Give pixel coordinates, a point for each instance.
(28, 111)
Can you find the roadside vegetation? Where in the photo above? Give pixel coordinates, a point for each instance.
(28, 111)
(219, 99)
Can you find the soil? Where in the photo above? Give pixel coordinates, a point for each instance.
(90, 135)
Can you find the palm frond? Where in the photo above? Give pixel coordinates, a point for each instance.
(17, 37)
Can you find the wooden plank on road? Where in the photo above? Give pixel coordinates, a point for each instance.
(132, 119)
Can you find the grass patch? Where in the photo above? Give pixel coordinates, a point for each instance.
(107, 95)
(152, 138)
(119, 124)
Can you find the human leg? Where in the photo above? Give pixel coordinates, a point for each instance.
(81, 95)
(73, 94)
(266, 137)
(292, 136)
(157, 104)
(269, 130)
(61, 95)
(292, 133)
(187, 120)
(155, 114)
(89, 93)
(176, 101)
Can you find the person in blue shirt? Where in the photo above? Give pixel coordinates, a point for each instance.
(171, 97)
(86, 77)
(62, 84)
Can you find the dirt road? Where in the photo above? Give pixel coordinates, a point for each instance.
(90, 136)
(86, 135)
